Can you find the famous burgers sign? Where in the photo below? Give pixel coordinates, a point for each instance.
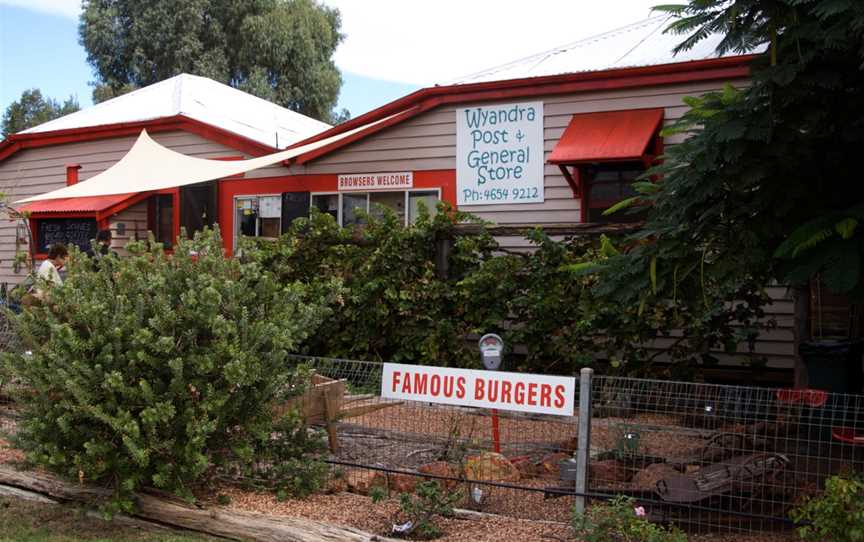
(484, 389)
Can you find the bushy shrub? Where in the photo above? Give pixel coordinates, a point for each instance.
(395, 306)
(551, 301)
(153, 368)
(836, 515)
(621, 521)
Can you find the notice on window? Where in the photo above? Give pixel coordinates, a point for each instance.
(499, 154)
(521, 392)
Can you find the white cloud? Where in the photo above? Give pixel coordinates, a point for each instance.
(62, 8)
(432, 42)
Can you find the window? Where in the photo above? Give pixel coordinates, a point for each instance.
(344, 206)
(427, 198)
(327, 203)
(258, 216)
(606, 185)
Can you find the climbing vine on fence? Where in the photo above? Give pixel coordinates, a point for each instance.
(550, 303)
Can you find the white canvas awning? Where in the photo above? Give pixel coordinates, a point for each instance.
(150, 166)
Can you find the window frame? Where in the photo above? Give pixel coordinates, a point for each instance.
(405, 194)
(588, 172)
(236, 224)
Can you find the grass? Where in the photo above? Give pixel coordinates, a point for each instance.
(22, 521)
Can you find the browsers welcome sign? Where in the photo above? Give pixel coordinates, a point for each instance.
(484, 389)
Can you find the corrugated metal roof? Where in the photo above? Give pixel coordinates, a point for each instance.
(636, 45)
(607, 135)
(201, 99)
(93, 204)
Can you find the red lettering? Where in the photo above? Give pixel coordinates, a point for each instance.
(505, 391)
(532, 394)
(545, 395)
(519, 393)
(460, 387)
(406, 384)
(435, 387)
(559, 396)
(395, 380)
(479, 384)
(448, 389)
(493, 391)
(421, 382)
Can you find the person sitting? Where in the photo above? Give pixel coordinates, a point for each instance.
(48, 274)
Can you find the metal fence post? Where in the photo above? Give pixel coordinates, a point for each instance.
(583, 449)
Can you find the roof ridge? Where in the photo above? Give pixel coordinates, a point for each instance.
(543, 55)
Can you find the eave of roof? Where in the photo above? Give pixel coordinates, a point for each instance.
(422, 100)
(20, 141)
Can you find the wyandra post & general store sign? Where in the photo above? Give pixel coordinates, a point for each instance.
(499, 154)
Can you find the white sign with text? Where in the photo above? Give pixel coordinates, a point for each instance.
(376, 181)
(499, 154)
(483, 389)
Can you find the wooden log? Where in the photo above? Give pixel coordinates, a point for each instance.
(359, 410)
(231, 525)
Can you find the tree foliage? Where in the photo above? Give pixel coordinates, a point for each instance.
(279, 50)
(33, 109)
(765, 186)
(152, 369)
(397, 306)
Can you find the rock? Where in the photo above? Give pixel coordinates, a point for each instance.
(552, 464)
(401, 483)
(441, 468)
(569, 446)
(527, 466)
(609, 470)
(361, 481)
(336, 485)
(490, 466)
(647, 477)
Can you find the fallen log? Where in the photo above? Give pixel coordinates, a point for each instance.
(231, 525)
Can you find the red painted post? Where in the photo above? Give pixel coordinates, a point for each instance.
(496, 435)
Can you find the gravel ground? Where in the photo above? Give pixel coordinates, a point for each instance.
(359, 511)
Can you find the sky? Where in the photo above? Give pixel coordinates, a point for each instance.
(391, 47)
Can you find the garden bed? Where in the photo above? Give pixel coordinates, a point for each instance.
(354, 510)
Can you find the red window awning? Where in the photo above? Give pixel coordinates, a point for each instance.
(607, 136)
(94, 204)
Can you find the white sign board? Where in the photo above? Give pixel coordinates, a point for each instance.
(499, 154)
(270, 206)
(483, 389)
(376, 181)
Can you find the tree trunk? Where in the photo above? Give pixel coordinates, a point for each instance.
(232, 525)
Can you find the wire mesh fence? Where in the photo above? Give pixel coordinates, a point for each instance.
(720, 457)
(704, 457)
(396, 444)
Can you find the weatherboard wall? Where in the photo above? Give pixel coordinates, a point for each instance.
(428, 142)
(34, 171)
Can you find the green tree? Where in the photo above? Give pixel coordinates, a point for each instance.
(280, 50)
(766, 185)
(34, 109)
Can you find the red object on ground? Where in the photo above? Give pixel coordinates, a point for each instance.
(607, 135)
(811, 398)
(848, 435)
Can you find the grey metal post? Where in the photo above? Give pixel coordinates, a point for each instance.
(583, 449)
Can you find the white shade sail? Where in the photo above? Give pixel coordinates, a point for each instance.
(149, 166)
